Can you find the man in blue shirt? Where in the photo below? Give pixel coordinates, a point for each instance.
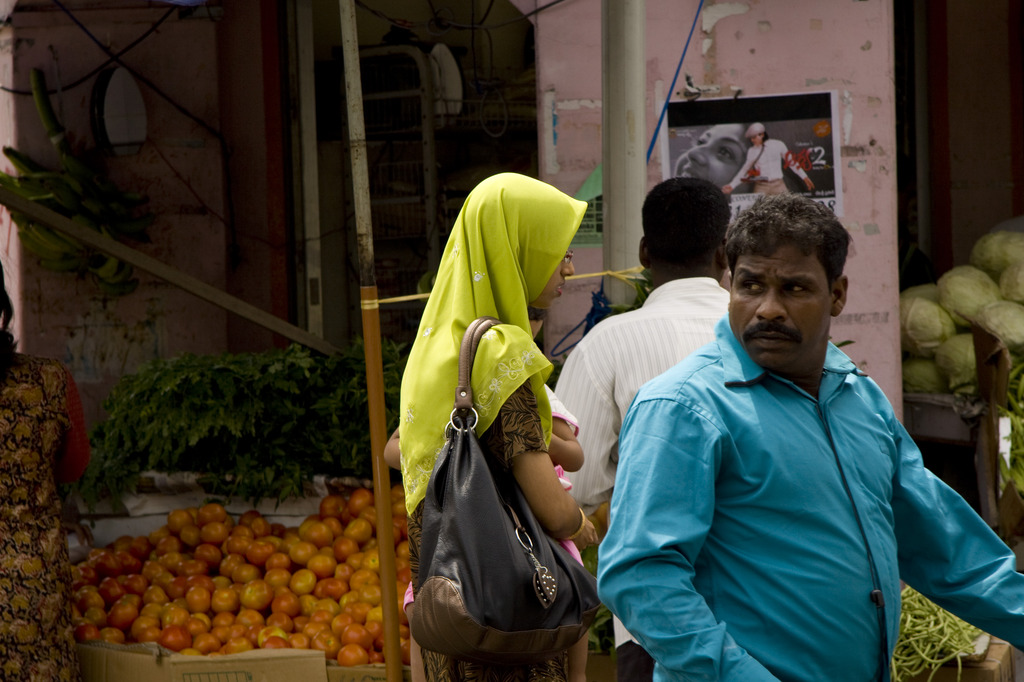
(788, 501)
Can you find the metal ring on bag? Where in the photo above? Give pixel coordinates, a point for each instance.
(528, 545)
(465, 424)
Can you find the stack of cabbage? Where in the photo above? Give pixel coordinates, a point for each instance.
(935, 319)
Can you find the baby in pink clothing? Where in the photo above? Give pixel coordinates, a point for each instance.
(559, 450)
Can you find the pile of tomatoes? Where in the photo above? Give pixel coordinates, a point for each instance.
(207, 584)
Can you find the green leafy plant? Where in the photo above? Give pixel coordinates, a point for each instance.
(254, 425)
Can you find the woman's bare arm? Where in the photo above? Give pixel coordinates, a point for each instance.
(565, 450)
(392, 454)
(557, 512)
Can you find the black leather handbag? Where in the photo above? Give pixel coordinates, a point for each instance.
(494, 588)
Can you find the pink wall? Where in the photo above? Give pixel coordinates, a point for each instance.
(764, 48)
(179, 168)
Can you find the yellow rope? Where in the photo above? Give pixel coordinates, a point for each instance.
(617, 274)
(623, 275)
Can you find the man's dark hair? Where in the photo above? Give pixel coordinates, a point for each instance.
(684, 221)
(783, 219)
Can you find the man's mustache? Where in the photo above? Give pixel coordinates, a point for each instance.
(771, 327)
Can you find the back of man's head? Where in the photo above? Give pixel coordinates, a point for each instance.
(684, 221)
(783, 219)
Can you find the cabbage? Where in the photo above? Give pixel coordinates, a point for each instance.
(924, 324)
(964, 290)
(955, 358)
(1011, 282)
(996, 251)
(922, 375)
(1005, 319)
(928, 291)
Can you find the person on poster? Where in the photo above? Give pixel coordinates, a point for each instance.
(766, 161)
(718, 155)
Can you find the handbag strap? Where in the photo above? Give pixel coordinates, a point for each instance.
(545, 584)
(470, 340)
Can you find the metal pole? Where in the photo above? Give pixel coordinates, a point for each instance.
(624, 135)
(371, 338)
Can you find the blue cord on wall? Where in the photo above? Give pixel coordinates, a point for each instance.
(600, 308)
(672, 87)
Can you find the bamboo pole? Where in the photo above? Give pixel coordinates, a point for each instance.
(371, 337)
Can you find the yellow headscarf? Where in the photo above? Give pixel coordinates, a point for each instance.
(509, 238)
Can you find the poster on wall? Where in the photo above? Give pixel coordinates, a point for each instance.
(751, 146)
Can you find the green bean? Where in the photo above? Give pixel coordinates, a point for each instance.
(929, 637)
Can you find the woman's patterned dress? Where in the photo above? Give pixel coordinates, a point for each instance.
(36, 637)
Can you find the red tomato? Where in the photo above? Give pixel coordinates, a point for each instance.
(356, 633)
(353, 654)
(122, 615)
(275, 642)
(111, 590)
(112, 635)
(106, 564)
(175, 637)
(86, 631)
(212, 511)
(237, 645)
(135, 583)
(224, 599)
(331, 506)
(129, 562)
(327, 642)
(360, 499)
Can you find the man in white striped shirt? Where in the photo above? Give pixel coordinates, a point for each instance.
(684, 224)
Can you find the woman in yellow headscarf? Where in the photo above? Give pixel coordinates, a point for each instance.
(508, 250)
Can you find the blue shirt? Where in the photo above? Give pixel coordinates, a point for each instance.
(743, 514)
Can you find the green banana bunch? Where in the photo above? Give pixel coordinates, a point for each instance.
(54, 251)
(30, 189)
(112, 276)
(22, 162)
(66, 195)
(77, 192)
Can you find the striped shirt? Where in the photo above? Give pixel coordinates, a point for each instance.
(618, 356)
